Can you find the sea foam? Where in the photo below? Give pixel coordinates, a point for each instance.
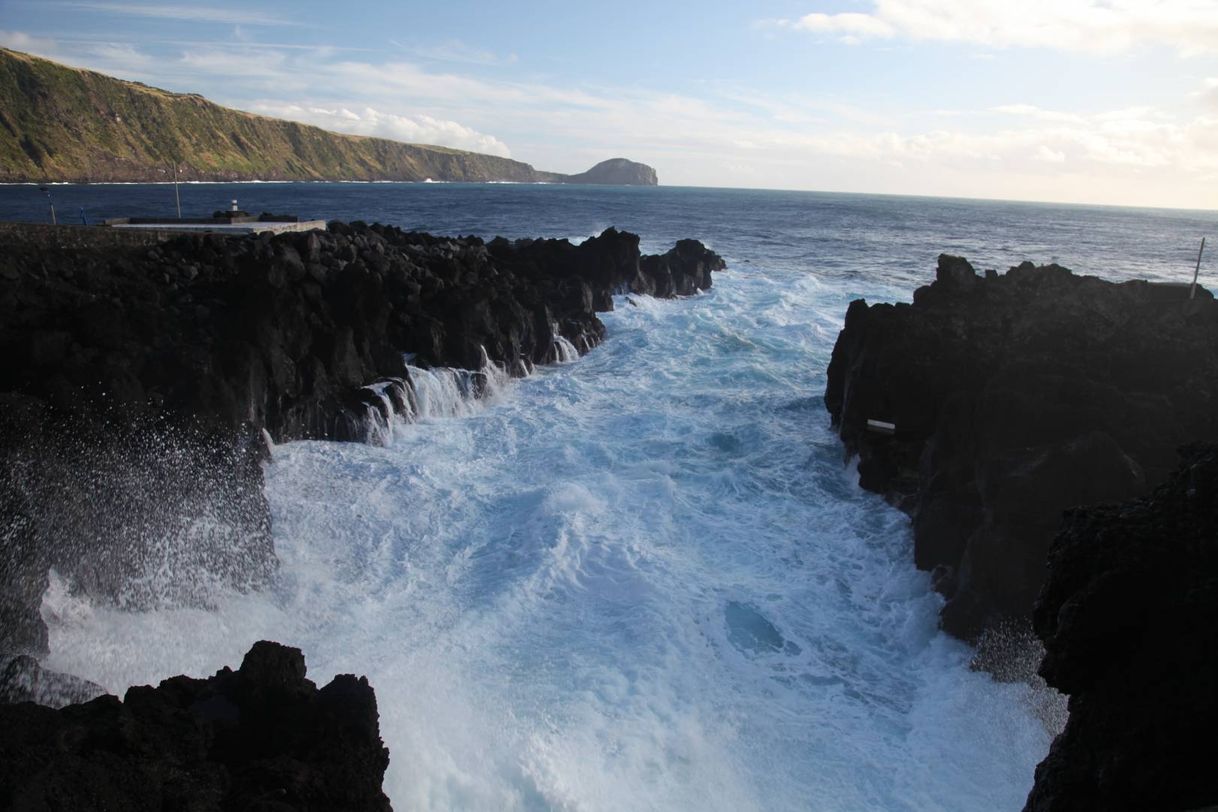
(645, 580)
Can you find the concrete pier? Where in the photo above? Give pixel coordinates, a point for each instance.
(252, 227)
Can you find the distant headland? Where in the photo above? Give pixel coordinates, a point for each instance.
(59, 123)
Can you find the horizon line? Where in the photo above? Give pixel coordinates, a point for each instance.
(708, 186)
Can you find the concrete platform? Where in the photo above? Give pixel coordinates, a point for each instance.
(224, 228)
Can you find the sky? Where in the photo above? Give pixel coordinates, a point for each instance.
(1088, 101)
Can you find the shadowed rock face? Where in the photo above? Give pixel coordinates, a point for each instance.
(1016, 397)
(1127, 619)
(135, 381)
(263, 737)
(276, 332)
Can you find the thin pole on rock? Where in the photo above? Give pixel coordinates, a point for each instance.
(50, 202)
(1192, 291)
(176, 196)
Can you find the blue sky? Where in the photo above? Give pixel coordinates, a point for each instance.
(1107, 101)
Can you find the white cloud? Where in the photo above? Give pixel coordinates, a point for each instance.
(203, 12)
(1208, 94)
(1188, 26)
(848, 24)
(241, 63)
(1031, 111)
(1049, 155)
(420, 129)
(456, 51)
(114, 58)
(20, 41)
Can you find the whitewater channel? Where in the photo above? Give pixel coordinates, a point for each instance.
(644, 579)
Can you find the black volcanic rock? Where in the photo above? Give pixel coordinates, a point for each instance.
(618, 172)
(1015, 397)
(683, 270)
(136, 380)
(1127, 616)
(139, 380)
(263, 737)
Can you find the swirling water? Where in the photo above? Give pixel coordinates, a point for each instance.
(645, 579)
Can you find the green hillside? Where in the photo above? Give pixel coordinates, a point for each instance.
(59, 123)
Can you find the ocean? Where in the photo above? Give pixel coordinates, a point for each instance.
(646, 578)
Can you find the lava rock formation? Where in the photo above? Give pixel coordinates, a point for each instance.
(1001, 401)
(1127, 620)
(137, 381)
(261, 738)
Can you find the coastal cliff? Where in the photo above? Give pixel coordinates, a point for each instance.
(59, 123)
(1001, 401)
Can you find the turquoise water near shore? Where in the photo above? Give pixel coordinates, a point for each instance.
(645, 579)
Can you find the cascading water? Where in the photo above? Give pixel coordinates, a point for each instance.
(380, 421)
(429, 393)
(564, 351)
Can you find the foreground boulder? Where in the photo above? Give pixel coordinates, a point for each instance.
(263, 737)
(998, 402)
(1127, 620)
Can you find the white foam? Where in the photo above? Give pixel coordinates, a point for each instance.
(538, 585)
(564, 350)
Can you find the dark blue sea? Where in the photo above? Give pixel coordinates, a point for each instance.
(646, 578)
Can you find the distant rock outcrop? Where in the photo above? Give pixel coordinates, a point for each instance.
(992, 404)
(617, 171)
(59, 123)
(1127, 617)
(261, 738)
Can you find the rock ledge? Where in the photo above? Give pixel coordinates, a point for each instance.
(261, 738)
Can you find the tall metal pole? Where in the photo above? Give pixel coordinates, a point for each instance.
(177, 198)
(1192, 291)
(50, 202)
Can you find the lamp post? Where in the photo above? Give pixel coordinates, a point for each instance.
(50, 201)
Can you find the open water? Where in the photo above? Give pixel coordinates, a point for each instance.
(645, 579)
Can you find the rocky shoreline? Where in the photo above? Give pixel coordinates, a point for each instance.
(991, 406)
(997, 402)
(141, 382)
